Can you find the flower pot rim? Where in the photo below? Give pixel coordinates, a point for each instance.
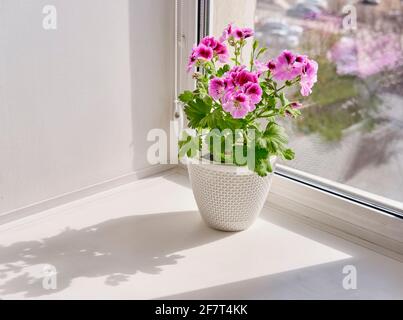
(223, 167)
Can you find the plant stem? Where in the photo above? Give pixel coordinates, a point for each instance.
(252, 58)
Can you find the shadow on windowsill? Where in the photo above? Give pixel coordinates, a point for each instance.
(115, 249)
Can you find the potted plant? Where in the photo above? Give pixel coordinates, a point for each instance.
(232, 113)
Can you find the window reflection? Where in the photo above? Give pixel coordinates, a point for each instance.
(351, 129)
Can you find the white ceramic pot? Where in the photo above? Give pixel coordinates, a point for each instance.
(229, 198)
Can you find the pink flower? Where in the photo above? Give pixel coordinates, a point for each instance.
(237, 105)
(286, 66)
(309, 77)
(271, 65)
(209, 41)
(226, 33)
(202, 52)
(238, 91)
(235, 32)
(232, 75)
(208, 48)
(260, 67)
(254, 92)
(247, 32)
(222, 52)
(216, 88)
(192, 59)
(242, 33)
(296, 105)
(301, 59)
(245, 76)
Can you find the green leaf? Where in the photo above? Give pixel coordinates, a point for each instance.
(276, 138)
(230, 123)
(196, 112)
(240, 149)
(261, 142)
(189, 145)
(186, 96)
(271, 102)
(225, 68)
(261, 51)
(255, 45)
(211, 120)
(288, 154)
(284, 100)
(216, 150)
(292, 112)
(263, 167)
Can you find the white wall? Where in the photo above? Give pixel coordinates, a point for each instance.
(240, 12)
(76, 103)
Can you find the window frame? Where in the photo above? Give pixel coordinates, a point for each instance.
(336, 208)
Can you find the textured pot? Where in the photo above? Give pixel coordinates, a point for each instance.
(229, 198)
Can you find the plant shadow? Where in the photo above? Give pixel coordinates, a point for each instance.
(115, 249)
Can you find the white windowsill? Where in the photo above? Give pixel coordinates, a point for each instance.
(355, 222)
(146, 240)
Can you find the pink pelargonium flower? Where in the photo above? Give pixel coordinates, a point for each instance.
(237, 105)
(271, 65)
(202, 52)
(219, 49)
(309, 77)
(209, 41)
(232, 76)
(233, 73)
(238, 91)
(216, 88)
(260, 67)
(243, 33)
(226, 33)
(208, 48)
(192, 59)
(222, 52)
(301, 60)
(245, 76)
(254, 92)
(248, 32)
(286, 66)
(296, 105)
(235, 32)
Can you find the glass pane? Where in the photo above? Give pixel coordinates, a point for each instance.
(351, 129)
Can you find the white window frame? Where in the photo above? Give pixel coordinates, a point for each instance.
(298, 194)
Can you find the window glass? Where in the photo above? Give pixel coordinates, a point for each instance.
(351, 131)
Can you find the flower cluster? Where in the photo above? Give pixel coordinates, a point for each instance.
(238, 91)
(208, 49)
(288, 66)
(234, 33)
